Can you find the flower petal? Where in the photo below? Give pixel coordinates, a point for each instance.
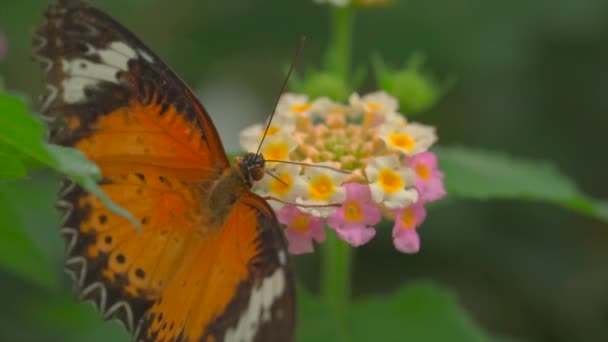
(372, 214)
(317, 229)
(358, 191)
(286, 214)
(401, 199)
(298, 243)
(407, 241)
(429, 180)
(356, 236)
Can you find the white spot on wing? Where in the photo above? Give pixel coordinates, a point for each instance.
(146, 56)
(124, 49)
(73, 88)
(82, 73)
(83, 68)
(258, 309)
(113, 58)
(90, 49)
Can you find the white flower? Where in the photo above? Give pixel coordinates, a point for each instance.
(293, 104)
(391, 183)
(395, 119)
(291, 108)
(373, 106)
(339, 3)
(378, 102)
(410, 139)
(278, 147)
(423, 135)
(324, 106)
(343, 3)
(285, 184)
(323, 187)
(251, 136)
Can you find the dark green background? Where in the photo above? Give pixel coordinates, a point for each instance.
(532, 81)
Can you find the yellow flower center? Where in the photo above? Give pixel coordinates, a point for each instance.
(352, 211)
(272, 130)
(369, 118)
(282, 185)
(402, 141)
(423, 171)
(321, 188)
(300, 223)
(374, 105)
(301, 108)
(408, 220)
(390, 181)
(276, 151)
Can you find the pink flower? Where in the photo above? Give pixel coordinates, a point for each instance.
(429, 180)
(405, 237)
(301, 229)
(354, 220)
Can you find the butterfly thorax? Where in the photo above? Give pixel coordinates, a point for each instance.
(232, 184)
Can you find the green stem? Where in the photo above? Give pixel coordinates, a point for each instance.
(336, 254)
(339, 51)
(335, 287)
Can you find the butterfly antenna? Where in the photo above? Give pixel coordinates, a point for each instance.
(308, 164)
(275, 177)
(293, 64)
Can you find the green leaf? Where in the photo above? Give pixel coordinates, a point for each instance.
(24, 160)
(11, 167)
(18, 252)
(22, 132)
(315, 321)
(20, 129)
(37, 194)
(421, 312)
(479, 174)
(62, 316)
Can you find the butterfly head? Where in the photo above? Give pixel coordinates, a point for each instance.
(252, 166)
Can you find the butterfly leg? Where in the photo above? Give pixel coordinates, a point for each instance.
(271, 198)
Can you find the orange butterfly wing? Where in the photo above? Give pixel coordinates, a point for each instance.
(260, 309)
(181, 279)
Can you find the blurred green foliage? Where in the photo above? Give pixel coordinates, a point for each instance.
(531, 81)
(416, 91)
(420, 312)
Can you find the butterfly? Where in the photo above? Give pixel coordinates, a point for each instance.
(210, 262)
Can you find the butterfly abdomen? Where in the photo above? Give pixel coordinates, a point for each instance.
(235, 182)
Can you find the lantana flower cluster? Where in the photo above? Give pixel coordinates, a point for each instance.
(353, 164)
